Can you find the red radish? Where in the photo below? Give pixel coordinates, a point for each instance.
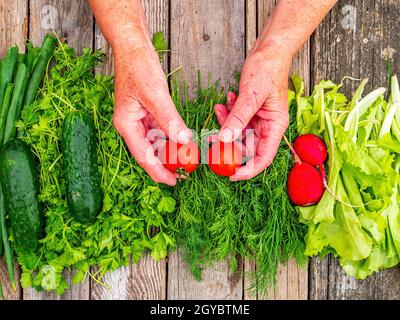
(311, 149)
(305, 186)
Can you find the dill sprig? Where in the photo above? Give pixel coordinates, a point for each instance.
(217, 219)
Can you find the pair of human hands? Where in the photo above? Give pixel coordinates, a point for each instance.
(143, 102)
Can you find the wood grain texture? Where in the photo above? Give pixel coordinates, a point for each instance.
(291, 280)
(75, 292)
(157, 14)
(218, 282)
(301, 62)
(207, 36)
(114, 285)
(13, 24)
(251, 37)
(147, 279)
(143, 281)
(251, 24)
(292, 283)
(9, 292)
(13, 30)
(100, 43)
(71, 20)
(355, 40)
(249, 267)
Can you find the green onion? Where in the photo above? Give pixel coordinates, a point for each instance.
(1, 292)
(8, 253)
(6, 76)
(14, 110)
(3, 230)
(46, 52)
(32, 56)
(4, 109)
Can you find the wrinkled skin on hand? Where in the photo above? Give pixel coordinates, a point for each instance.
(261, 106)
(144, 109)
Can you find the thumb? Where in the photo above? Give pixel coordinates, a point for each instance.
(243, 111)
(164, 112)
(221, 113)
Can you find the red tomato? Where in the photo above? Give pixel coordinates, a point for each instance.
(181, 156)
(224, 158)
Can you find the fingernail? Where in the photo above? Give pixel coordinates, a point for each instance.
(226, 135)
(184, 136)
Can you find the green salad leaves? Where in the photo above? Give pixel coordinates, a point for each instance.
(358, 218)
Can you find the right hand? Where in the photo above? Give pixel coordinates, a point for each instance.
(142, 103)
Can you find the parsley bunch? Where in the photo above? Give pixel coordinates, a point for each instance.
(135, 212)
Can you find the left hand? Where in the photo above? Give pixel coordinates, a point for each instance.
(262, 105)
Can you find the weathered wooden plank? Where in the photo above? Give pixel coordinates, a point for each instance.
(100, 43)
(9, 292)
(75, 292)
(251, 37)
(114, 286)
(143, 281)
(354, 40)
(73, 21)
(292, 281)
(13, 24)
(147, 279)
(251, 24)
(249, 267)
(218, 281)
(157, 14)
(319, 278)
(13, 30)
(207, 36)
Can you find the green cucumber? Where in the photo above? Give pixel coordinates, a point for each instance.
(20, 186)
(83, 179)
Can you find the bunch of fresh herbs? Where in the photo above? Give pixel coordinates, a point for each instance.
(135, 212)
(217, 219)
(211, 218)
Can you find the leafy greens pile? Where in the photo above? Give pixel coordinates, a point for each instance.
(209, 217)
(358, 218)
(135, 212)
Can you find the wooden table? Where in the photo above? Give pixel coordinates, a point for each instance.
(215, 35)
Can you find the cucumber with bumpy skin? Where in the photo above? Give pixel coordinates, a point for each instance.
(20, 186)
(83, 179)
